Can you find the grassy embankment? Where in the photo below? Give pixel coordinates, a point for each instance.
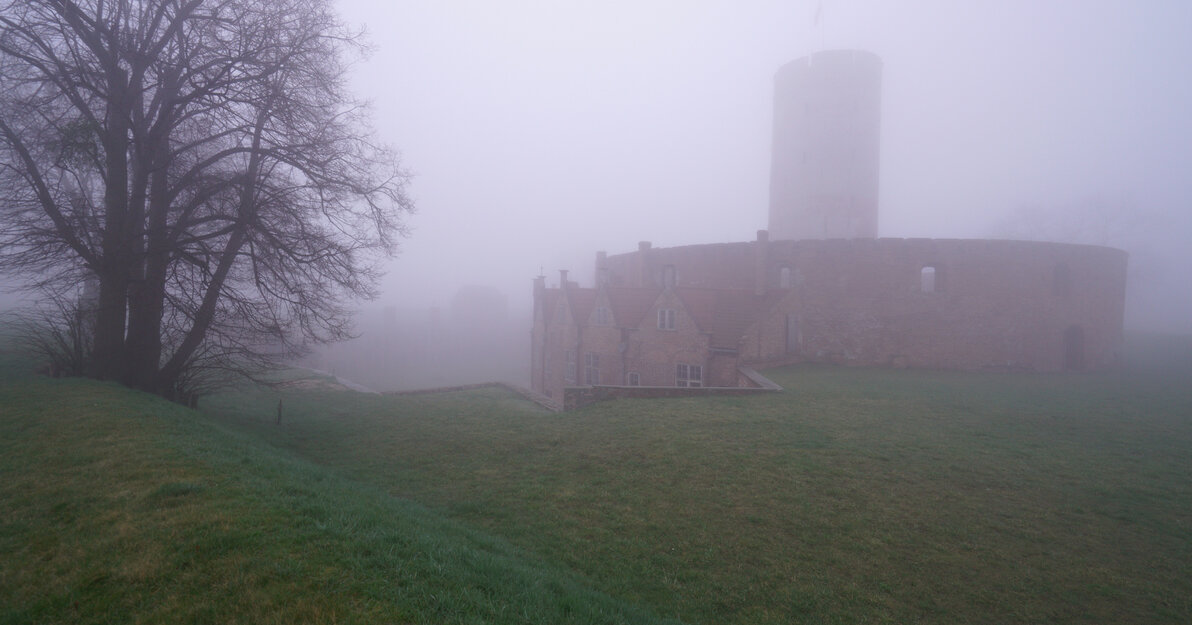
(855, 496)
(117, 507)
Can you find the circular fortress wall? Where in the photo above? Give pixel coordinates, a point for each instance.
(824, 160)
(938, 303)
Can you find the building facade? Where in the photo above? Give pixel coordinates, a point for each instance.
(695, 315)
(826, 289)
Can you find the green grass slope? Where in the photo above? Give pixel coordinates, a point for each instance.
(116, 507)
(855, 496)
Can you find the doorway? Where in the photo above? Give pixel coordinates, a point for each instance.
(1074, 349)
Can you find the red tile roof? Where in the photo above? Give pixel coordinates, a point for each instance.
(726, 314)
(630, 305)
(582, 303)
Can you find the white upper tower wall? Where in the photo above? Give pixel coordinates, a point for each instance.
(826, 144)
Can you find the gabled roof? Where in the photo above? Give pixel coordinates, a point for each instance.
(582, 303)
(630, 305)
(726, 314)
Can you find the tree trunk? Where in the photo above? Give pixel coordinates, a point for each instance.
(146, 302)
(109, 361)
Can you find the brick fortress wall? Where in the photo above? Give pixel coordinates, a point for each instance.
(970, 304)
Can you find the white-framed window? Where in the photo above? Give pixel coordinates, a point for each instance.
(784, 278)
(591, 369)
(666, 319)
(569, 371)
(602, 316)
(633, 379)
(689, 376)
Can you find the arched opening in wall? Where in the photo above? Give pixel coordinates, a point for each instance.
(1074, 348)
(784, 278)
(668, 276)
(930, 279)
(1061, 280)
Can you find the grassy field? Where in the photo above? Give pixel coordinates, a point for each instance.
(855, 496)
(117, 507)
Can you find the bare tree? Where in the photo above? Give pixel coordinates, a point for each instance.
(203, 160)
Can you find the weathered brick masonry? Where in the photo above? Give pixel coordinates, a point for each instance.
(987, 304)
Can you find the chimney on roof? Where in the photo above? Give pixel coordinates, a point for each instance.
(539, 291)
(645, 269)
(562, 278)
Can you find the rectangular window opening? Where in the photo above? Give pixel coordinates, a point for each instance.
(666, 319)
(591, 369)
(689, 376)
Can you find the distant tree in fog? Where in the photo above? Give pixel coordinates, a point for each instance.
(200, 162)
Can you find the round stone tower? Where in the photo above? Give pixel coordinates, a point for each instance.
(824, 164)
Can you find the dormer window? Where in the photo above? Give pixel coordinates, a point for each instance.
(666, 319)
(602, 316)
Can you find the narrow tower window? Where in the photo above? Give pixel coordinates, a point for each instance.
(927, 280)
(931, 279)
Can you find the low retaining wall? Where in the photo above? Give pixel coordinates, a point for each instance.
(579, 396)
(537, 398)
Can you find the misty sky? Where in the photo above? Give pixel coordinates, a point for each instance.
(542, 131)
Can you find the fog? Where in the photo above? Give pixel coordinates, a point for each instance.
(540, 132)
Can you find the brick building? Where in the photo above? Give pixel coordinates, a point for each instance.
(704, 315)
(695, 315)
